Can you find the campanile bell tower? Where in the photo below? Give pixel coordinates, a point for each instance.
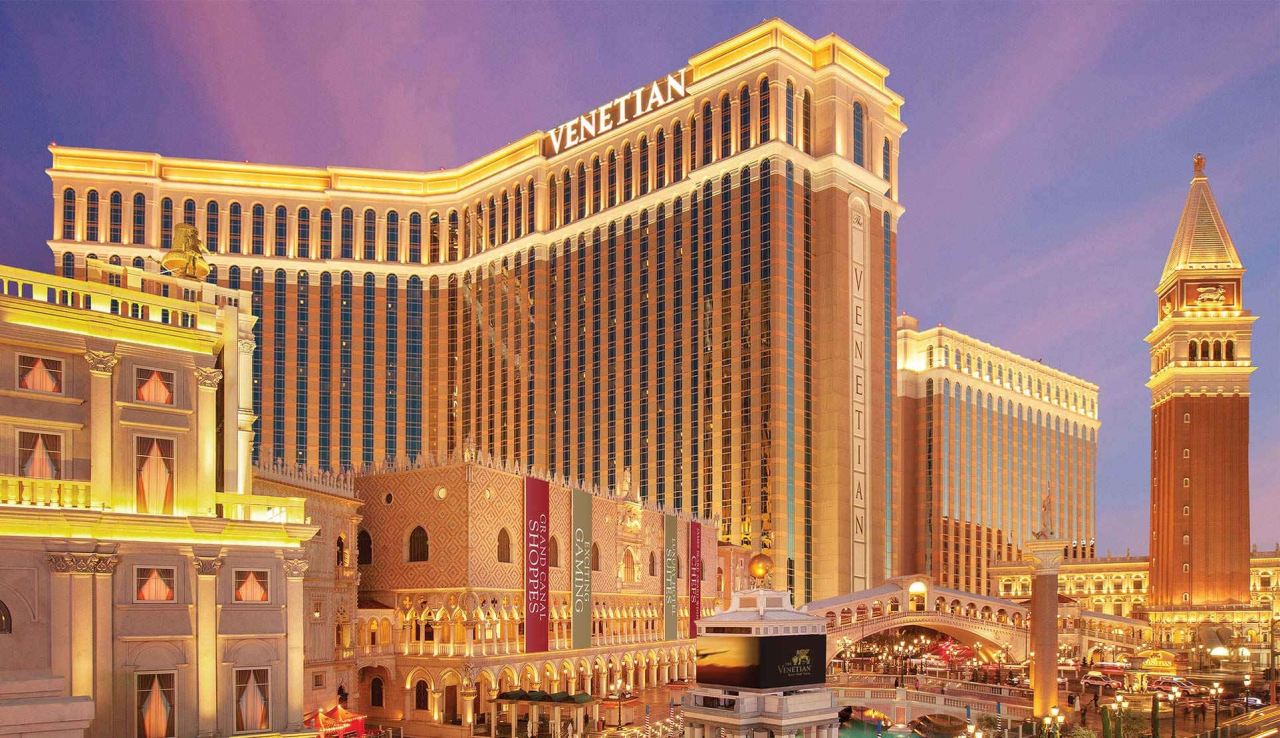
(1200, 367)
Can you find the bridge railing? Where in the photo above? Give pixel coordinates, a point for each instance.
(925, 614)
(930, 700)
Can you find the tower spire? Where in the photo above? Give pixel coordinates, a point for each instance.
(1201, 240)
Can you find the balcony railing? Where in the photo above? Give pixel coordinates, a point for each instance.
(123, 291)
(262, 508)
(34, 492)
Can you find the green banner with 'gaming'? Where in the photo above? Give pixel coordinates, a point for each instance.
(581, 582)
(670, 573)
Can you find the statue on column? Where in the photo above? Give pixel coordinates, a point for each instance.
(186, 258)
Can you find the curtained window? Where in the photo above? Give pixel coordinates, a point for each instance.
(253, 701)
(251, 585)
(39, 374)
(155, 693)
(154, 386)
(40, 455)
(153, 468)
(154, 584)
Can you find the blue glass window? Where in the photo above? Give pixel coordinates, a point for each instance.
(369, 309)
(304, 233)
(348, 234)
(166, 223)
(115, 222)
(370, 235)
(326, 234)
(415, 238)
(259, 232)
(302, 376)
(325, 369)
(345, 338)
(69, 214)
(391, 359)
(281, 232)
(211, 225)
(139, 218)
(859, 136)
(235, 228)
(393, 236)
(91, 216)
(278, 339)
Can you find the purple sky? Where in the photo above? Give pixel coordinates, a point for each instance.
(1046, 163)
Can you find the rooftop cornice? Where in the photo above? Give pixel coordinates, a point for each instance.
(775, 34)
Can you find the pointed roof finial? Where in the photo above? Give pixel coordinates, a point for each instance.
(1199, 165)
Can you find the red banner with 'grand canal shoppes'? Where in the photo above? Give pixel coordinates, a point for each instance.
(695, 577)
(536, 583)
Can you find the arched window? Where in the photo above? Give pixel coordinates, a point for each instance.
(744, 118)
(235, 228)
(660, 158)
(595, 557)
(653, 564)
(806, 122)
(393, 236)
(370, 235)
(304, 233)
(597, 192)
(530, 208)
(415, 238)
(189, 211)
(211, 225)
(341, 551)
(493, 226)
(433, 238)
(1231, 350)
(364, 548)
(1192, 352)
(6, 620)
(726, 126)
(1217, 350)
(326, 233)
(504, 546)
(375, 692)
(517, 219)
(887, 163)
(677, 152)
(553, 553)
(258, 234)
(706, 133)
(419, 546)
(68, 265)
(628, 181)
(859, 136)
(139, 219)
(166, 223)
(115, 218)
(421, 695)
(347, 234)
(281, 244)
(763, 102)
(69, 214)
(643, 152)
(91, 216)
(582, 191)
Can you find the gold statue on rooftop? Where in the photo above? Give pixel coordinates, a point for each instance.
(186, 258)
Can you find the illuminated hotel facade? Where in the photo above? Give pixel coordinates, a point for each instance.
(660, 288)
(147, 590)
(997, 448)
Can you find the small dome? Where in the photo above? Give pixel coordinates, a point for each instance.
(760, 565)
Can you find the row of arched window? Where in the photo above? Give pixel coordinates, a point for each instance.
(990, 371)
(1216, 350)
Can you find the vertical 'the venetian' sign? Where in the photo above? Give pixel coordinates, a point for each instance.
(670, 575)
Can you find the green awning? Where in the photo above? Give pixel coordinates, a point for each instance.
(515, 694)
(538, 695)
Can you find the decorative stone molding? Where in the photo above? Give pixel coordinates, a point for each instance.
(101, 362)
(83, 563)
(207, 566)
(247, 345)
(295, 568)
(208, 378)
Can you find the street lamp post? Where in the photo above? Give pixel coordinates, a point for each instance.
(1216, 691)
(1247, 681)
(617, 686)
(1173, 705)
(1119, 706)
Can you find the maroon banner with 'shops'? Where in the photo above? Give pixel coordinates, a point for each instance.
(695, 577)
(536, 584)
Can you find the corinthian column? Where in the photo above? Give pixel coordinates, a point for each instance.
(102, 365)
(294, 572)
(207, 642)
(208, 381)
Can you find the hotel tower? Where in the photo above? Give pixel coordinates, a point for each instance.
(1200, 367)
(655, 293)
(996, 448)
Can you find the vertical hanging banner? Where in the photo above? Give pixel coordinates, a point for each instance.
(581, 582)
(536, 584)
(695, 577)
(670, 575)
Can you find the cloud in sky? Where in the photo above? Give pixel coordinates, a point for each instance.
(1047, 156)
